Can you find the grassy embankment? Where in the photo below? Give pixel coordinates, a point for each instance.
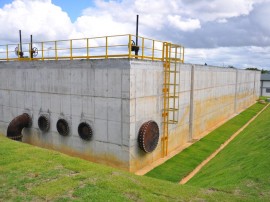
(243, 168)
(239, 173)
(183, 163)
(29, 173)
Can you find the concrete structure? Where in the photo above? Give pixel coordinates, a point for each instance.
(116, 96)
(265, 85)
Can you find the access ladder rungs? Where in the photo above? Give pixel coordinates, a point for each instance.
(172, 96)
(171, 71)
(171, 122)
(166, 90)
(171, 109)
(171, 84)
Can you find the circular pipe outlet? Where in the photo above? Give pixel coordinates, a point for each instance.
(43, 123)
(62, 127)
(85, 131)
(148, 136)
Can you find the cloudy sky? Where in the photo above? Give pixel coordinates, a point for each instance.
(218, 32)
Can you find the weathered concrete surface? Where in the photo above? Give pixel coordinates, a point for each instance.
(217, 95)
(116, 97)
(95, 91)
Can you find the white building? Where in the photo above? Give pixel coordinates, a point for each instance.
(265, 85)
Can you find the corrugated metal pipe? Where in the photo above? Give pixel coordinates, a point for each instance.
(14, 130)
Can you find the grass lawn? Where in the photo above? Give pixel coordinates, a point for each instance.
(29, 173)
(243, 167)
(264, 97)
(183, 163)
(239, 173)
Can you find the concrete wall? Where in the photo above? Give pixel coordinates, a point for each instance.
(95, 91)
(207, 97)
(116, 97)
(146, 103)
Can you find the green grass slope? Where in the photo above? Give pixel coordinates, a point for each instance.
(183, 163)
(28, 173)
(243, 167)
(239, 173)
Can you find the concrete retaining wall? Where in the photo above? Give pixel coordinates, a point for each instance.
(207, 96)
(116, 97)
(95, 91)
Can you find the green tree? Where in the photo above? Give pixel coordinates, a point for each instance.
(263, 71)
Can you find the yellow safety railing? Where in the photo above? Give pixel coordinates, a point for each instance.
(117, 46)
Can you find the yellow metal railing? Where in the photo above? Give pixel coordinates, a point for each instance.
(117, 46)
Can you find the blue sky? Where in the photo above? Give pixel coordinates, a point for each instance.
(73, 7)
(217, 32)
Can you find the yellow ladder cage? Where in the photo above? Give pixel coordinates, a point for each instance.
(172, 56)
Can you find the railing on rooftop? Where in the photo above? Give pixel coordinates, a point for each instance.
(117, 46)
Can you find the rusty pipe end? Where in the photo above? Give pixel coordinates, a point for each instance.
(14, 130)
(148, 136)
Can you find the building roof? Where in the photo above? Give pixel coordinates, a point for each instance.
(265, 77)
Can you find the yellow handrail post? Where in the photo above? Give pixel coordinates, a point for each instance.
(70, 49)
(129, 46)
(7, 52)
(106, 56)
(153, 49)
(87, 46)
(42, 50)
(55, 49)
(142, 48)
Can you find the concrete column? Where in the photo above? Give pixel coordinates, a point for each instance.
(236, 88)
(261, 88)
(254, 86)
(191, 109)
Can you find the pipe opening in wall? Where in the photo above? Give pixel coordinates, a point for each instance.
(148, 136)
(43, 123)
(14, 130)
(62, 127)
(85, 131)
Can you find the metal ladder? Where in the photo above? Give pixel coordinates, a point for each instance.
(172, 55)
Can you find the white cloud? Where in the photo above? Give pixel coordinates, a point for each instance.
(222, 29)
(38, 17)
(240, 57)
(102, 25)
(206, 10)
(260, 17)
(222, 20)
(184, 25)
